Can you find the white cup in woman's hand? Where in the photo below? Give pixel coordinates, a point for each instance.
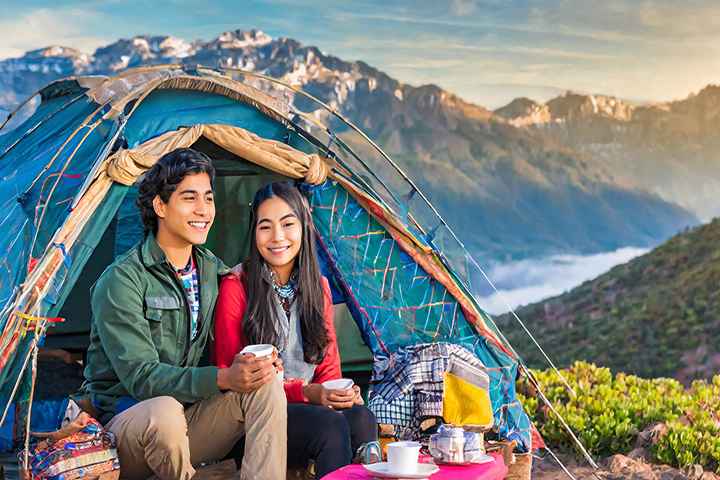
(339, 384)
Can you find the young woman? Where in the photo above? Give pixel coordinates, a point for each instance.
(280, 298)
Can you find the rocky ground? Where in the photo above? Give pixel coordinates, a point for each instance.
(634, 466)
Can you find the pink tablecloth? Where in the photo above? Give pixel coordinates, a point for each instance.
(495, 470)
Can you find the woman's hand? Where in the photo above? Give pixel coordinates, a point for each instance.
(358, 396)
(277, 361)
(337, 399)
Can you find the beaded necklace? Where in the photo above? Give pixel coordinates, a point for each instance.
(284, 293)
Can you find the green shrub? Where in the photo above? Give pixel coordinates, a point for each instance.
(607, 413)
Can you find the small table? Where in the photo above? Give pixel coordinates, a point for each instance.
(495, 470)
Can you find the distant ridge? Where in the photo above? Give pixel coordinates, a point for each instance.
(658, 315)
(668, 148)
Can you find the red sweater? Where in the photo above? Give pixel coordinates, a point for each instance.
(229, 337)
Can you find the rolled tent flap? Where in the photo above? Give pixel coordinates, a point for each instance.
(127, 165)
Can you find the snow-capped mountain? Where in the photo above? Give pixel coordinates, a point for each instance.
(508, 178)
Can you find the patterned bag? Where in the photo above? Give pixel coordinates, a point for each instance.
(81, 450)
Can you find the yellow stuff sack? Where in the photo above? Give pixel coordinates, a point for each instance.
(465, 404)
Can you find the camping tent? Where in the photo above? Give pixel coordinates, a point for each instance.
(67, 199)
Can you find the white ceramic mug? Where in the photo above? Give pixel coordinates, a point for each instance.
(261, 350)
(403, 457)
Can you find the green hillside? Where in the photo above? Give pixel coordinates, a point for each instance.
(657, 315)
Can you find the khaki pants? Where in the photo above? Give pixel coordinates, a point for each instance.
(158, 436)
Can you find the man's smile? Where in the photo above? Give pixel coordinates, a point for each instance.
(199, 225)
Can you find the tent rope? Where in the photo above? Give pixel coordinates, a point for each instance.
(567, 472)
(510, 309)
(567, 427)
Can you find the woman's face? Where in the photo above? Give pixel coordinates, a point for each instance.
(278, 235)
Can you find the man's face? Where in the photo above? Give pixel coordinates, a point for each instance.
(187, 216)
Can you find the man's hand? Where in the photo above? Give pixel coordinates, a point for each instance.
(247, 372)
(337, 399)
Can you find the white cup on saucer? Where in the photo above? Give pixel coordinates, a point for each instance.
(261, 350)
(402, 457)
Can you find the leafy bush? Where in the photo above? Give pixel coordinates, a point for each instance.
(607, 413)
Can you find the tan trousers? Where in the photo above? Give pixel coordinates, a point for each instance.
(158, 436)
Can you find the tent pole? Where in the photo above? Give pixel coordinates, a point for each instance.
(98, 162)
(17, 383)
(32, 394)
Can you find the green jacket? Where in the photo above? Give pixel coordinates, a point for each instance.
(139, 335)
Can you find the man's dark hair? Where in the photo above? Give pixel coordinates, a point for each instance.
(163, 178)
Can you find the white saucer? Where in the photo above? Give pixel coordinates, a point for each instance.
(484, 458)
(381, 470)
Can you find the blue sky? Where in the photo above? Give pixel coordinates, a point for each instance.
(488, 52)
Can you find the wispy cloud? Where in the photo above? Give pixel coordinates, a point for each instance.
(535, 51)
(681, 19)
(45, 27)
(528, 281)
(463, 7)
(442, 44)
(558, 29)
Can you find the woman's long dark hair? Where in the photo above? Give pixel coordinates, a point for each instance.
(259, 322)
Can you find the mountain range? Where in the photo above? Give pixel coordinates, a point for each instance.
(669, 149)
(527, 180)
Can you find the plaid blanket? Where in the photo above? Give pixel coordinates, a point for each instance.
(407, 387)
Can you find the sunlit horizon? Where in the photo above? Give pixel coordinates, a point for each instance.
(487, 53)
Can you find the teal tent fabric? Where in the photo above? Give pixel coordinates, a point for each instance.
(398, 304)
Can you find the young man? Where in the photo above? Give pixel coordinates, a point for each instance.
(148, 375)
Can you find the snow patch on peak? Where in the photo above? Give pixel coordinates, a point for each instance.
(241, 39)
(141, 43)
(296, 77)
(56, 51)
(175, 47)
